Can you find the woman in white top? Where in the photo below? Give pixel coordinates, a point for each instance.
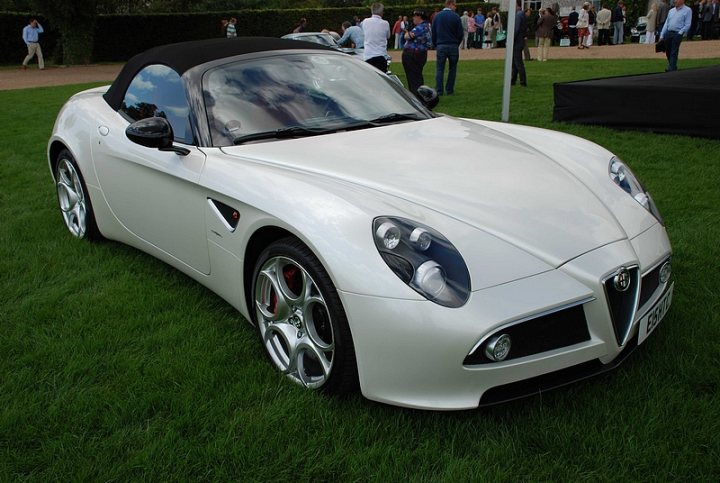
(582, 26)
(650, 31)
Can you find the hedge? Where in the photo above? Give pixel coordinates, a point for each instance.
(119, 37)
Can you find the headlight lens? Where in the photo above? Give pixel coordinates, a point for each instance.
(621, 175)
(424, 259)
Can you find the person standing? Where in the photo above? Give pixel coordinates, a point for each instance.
(662, 11)
(572, 26)
(707, 17)
(677, 24)
(526, 47)
(464, 23)
(519, 36)
(472, 28)
(447, 34)
(592, 21)
(231, 31)
(376, 32)
(479, 28)
(397, 31)
(603, 25)
(582, 25)
(496, 26)
(414, 57)
(544, 33)
(650, 29)
(618, 23)
(31, 36)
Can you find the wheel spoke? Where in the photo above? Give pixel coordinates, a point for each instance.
(317, 356)
(71, 198)
(294, 321)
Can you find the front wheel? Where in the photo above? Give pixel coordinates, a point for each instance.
(301, 320)
(75, 206)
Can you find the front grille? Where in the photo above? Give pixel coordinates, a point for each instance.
(622, 304)
(552, 331)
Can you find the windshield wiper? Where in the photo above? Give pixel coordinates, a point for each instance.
(380, 121)
(395, 117)
(287, 132)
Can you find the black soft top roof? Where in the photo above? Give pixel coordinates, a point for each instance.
(186, 55)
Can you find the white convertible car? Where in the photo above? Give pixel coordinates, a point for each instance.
(431, 261)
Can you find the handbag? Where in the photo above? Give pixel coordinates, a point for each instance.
(501, 35)
(660, 46)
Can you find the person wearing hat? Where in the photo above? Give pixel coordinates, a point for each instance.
(414, 57)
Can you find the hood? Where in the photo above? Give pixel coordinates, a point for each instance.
(465, 170)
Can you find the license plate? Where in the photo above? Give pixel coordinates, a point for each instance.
(653, 317)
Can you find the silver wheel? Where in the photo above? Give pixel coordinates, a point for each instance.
(71, 195)
(294, 321)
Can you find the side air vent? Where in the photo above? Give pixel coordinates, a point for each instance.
(229, 215)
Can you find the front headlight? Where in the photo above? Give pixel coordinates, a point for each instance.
(424, 259)
(621, 175)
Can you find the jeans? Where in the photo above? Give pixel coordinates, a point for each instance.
(619, 34)
(451, 53)
(672, 49)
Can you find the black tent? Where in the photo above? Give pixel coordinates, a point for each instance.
(680, 102)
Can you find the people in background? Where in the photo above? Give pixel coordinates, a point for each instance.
(519, 36)
(544, 32)
(231, 30)
(677, 24)
(352, 36)
(582, 25)
(414, 57)
(376, 32)
(651, 19)
(603, 25)
(31, 36)
(618, 23)
(447, 34)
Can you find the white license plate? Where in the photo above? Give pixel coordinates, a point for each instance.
(653, 317)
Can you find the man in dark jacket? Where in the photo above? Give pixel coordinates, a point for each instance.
(572, 26)
(447, 34)
(521, 27)
(618, 23)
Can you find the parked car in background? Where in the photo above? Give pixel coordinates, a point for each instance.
(638, 30)
(323, 38)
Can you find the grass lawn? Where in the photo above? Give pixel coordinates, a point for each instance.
(115, 367)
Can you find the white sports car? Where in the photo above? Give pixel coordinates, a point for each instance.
(431, 261)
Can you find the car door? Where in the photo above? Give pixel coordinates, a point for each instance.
(155, 194)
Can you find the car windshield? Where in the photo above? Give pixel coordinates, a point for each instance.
(297, 95)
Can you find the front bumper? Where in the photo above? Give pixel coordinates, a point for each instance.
(414, 353)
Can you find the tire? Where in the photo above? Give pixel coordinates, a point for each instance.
(300, 319)
(75, 206)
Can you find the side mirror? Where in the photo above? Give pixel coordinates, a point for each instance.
(428, 96)
(154, 132)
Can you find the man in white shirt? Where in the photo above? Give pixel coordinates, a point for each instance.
(377, 33)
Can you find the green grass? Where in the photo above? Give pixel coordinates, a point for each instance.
(115, 367)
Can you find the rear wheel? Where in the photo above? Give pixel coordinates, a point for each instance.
(301, 320)
(75, 206)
